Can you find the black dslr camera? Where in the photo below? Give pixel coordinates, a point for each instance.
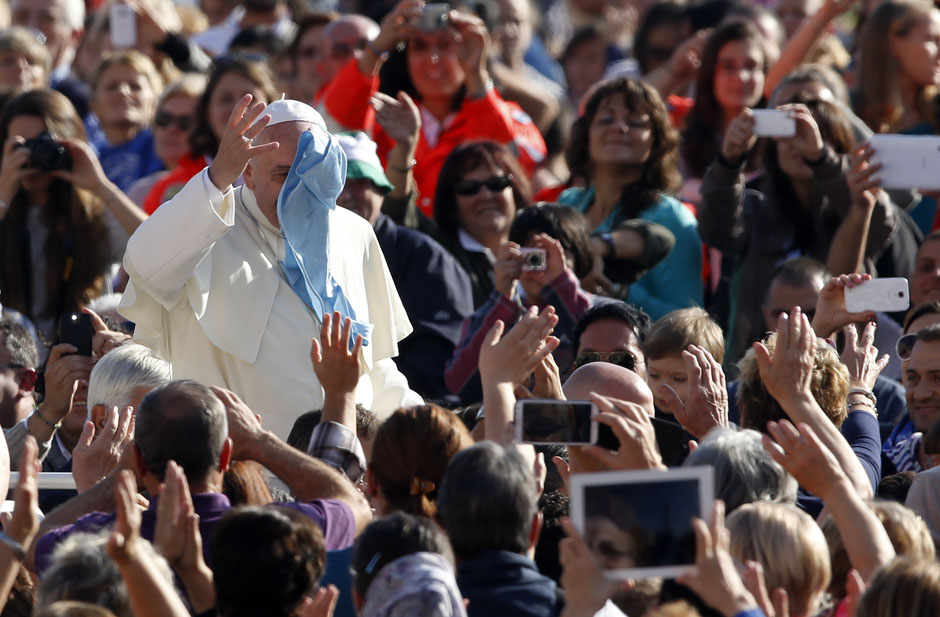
(47, 154)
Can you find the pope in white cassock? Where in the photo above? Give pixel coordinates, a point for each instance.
(229, 284)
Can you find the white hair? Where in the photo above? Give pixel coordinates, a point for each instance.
(123, 370)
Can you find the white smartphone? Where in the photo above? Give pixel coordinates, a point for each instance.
(888, 295)
(907, 161)
(549, 421)
(774, 123)
(123, 25)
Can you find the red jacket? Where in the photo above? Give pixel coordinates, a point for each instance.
(489, 117)
(170, 184)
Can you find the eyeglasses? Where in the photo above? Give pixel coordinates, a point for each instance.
(905, 345)
(341, 51)
(467, 188)
(13, 366)
(620, 358)
(165, 119)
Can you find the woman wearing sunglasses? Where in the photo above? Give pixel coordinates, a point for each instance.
(172, 125)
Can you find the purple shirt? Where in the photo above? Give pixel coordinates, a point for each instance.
(335, 519)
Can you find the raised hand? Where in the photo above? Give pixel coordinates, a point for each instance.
(860, 356)
(16, 166)
(807, 141)
(86, 171)
(861, 177)
(803, 455)
(95, 457)
(399, 117)
(508, 267)
(472, 49)
(64, 370)
(831, 314)
(235, 147)
(554, 260)
(335, 363)
(23, 525)
(739, 138)
(586, 587)
(104, 340)
(510, 359)
(707, 404)
(632, 426)
(244, 426)
(397, 25)
(788, 374)
(123, 544)
(715, 580)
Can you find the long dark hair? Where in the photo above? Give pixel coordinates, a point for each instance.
(202, 141)
(660, 171)
(701, 139)
(73, 217)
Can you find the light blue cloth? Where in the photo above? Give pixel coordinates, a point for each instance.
(313, 183)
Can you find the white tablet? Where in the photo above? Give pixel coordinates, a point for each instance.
(907, 161)
(639, 523)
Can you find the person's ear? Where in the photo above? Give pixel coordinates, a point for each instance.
(537, 521)
(249, 177)
(28, 378)
(225, 458)
(98, 415)
(140, 465)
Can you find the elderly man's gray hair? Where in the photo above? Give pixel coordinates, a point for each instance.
(744, 471)
(82, 570)
(121, 371)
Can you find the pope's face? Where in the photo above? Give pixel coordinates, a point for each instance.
(266, 173)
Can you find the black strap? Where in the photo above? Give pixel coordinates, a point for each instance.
(26, 270)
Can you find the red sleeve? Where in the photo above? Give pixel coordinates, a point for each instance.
(491, 117)
(347, 98)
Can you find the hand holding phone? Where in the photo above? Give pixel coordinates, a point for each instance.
(887, 295)
(77, 330)
(774, 123)
(548, 421)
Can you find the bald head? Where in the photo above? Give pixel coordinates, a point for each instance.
(609, 380)
(344, 39)
(349, 28)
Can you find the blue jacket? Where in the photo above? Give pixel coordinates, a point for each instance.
(436, 293)
(500, 583)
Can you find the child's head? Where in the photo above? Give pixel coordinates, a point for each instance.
(668, 338)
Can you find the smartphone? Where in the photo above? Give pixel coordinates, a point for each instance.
(434, 16)
(773, 123)
(887, 295)
(907, 161)
(549, 421)
(671, 438)
(123, 26)
(534, 260)
(76, 330)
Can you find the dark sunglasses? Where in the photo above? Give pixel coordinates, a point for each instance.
(165, 119)
(620, 358)
(472, 187)
(904, 346)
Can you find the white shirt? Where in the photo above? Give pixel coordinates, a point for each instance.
(207, 295)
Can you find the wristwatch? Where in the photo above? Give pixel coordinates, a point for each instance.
(608, 239)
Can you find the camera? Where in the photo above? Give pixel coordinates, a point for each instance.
(533, 260)
(47, 154)
(434, 16)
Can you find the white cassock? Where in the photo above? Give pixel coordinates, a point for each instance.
(206, 294)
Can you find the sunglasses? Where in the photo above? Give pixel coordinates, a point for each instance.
(904, 346)
(165, 119)
(467, 188)
(620, 358)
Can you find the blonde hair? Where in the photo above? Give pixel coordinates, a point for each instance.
(672, 334)
(790, 547)
(906, 586)
(22, 41)
(908, 533)
(830, 387)
(132, 59)
(878, 98)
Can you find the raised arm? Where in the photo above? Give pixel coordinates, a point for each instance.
(803, 454)
(787, 376)
(306, 477)
(163, 253)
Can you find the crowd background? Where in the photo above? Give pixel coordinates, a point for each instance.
(692, 276)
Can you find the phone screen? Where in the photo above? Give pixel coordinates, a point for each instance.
(556, 422)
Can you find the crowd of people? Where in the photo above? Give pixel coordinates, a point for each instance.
(274, 275)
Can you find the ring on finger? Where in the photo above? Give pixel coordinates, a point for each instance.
(246, 139)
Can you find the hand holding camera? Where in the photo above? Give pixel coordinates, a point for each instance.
(15, 166)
